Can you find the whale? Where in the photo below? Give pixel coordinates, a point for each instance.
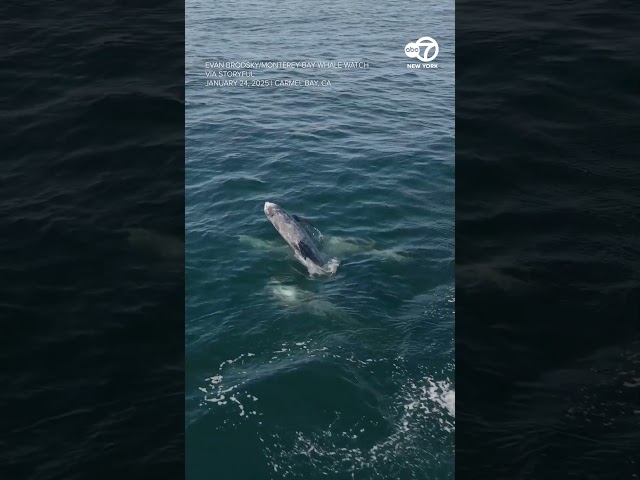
(301, 242)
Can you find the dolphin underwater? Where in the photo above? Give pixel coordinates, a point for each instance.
(302, 244)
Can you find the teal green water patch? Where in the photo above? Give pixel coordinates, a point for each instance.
(352, 375)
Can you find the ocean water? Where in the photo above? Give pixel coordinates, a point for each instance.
(547, 277)
(91, 241)
(350, 376)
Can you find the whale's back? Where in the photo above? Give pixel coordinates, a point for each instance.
(300, 240)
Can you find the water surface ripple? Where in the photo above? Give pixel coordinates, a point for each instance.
(346, 377)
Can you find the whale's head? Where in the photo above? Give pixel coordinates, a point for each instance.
(280, 219)
(271, 209)
(305, 249)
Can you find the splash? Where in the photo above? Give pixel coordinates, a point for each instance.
(420, 413)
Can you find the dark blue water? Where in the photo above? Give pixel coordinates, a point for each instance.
(345, 377)
(91, 241)
(91, 246)
(547, 285)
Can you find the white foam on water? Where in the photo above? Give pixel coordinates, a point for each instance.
(218, 385)
(215, 400)
(287, 294)
(235, 400)
(421, 414)
(331, 266)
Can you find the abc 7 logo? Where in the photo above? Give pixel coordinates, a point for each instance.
(430, 52)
